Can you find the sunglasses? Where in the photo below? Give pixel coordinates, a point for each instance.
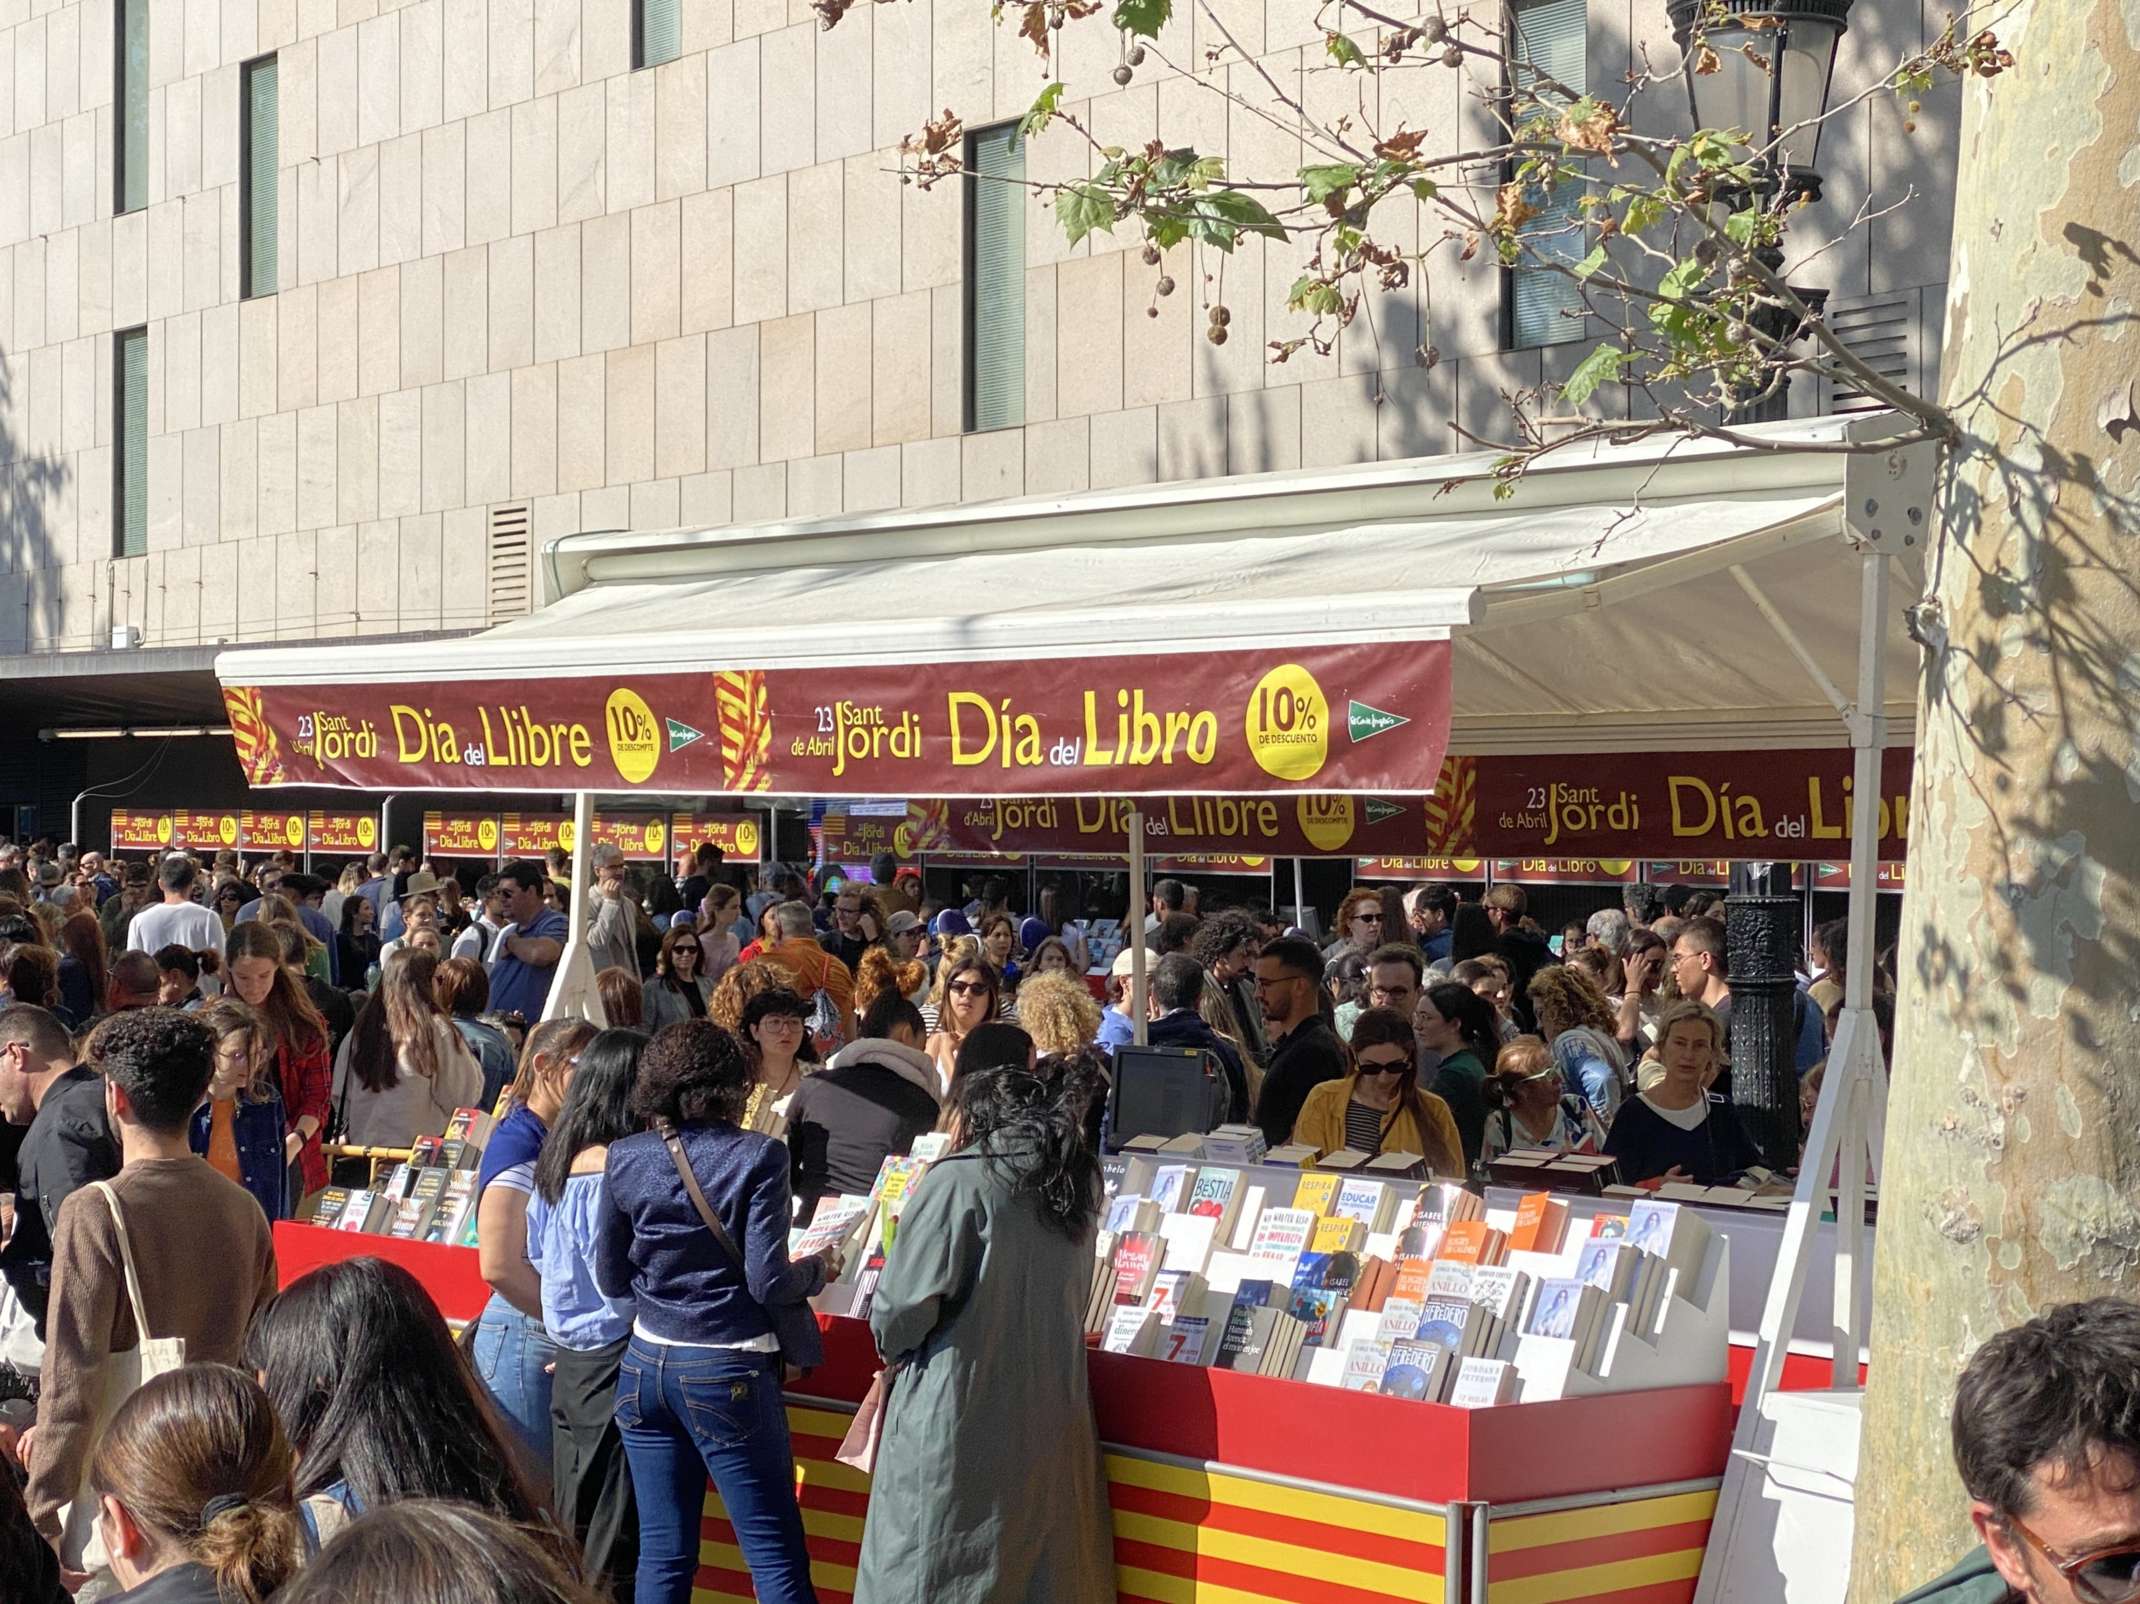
(967, 988)
(2107, 1576)
(1368, 918)
(1383, 1066)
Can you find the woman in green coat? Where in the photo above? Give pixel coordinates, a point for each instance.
(988, 1488)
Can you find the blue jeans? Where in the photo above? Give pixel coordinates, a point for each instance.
(511, 1353)
(689, 1413)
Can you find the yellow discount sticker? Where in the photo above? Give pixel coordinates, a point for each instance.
(487, 835)
(1327, 821)
(367, 832)
(747, 838)
(656, 836)
(293, 830)
(1289, 724)
(163, 829)
(226, 829)
(634, 735)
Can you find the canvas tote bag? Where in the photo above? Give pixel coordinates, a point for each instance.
(118, 1378)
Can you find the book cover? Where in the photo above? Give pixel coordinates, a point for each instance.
(1608, 1227)
(1451, 1322)
(1364, 1364)
(1369, 1202)
(1316, 1192)
(1606, 1265)
(455, 1204)
(1170, 1187)
(1415, 1280)
(424, 1151)
(1282, 1234)
(1138, 1255)
(1499, 1290)
(1188, 1239)
(834, 1222)
(1321, 1285)
(1174, 1291)
(328, 1206)
(1132, 1328)
(1450, 1279)
(1443, 1203)
(1415, 1371)
(455, 1154)
(1399, 1321)
(1247, 1335)
(1471, 1242)
(1337, 1233)
(464, 1234)
(1563, 1309)
(1248, 1213)
(1186, 1339)
(398, 1181)
(356, 1214)
(1483, 1384)
(411, 1216)
(1541, 1223)
(1213, 1197)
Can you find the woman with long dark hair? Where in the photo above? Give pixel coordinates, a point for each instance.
(511, 1351)
(1378, 1107)
(714, 1312)
(982, 1312)
(378, 1401)
(239, 1127)
(1460, 1025)
(438, 1553)
(83, 973)
(679, 989)
(253, 966)
(356, 947)
(591, 1485)
(404, 1069)
(192, 1478)
(968, 995)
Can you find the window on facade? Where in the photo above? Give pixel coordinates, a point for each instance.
(657, 31)
(130, 457)
(1551, 37)
(256, 180)
(130, 55)
(995, 278)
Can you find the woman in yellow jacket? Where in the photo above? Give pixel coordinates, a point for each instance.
(1379, 1108)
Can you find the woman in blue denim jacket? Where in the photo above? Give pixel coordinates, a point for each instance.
(699, 1387)
(240, 1127)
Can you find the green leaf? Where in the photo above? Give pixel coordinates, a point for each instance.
(1343, 51)
(1220, 218)
(1644, 212)
(1042, 112)
(1683, 277)
(1320, 183)
(1165, 229)
(1310, 294)
(1601, 366)
(1591, 263)
(1083, 209)
(1144, 17)
(1425, 188)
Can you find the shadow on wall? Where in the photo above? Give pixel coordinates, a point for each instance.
(29, 563)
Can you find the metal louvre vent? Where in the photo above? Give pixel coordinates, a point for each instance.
(1882, 331)
(511, 568)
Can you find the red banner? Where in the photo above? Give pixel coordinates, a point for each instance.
(133, 831)
(204, 832)
(1422, 869)
(644, 836)
(1836, 877)
(740, 836)
(461, 835)
(346, 833)
(1320, 719)
(1566, 871)
(530, 835)
(271, 832)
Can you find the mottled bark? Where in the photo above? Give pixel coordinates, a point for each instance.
(2012, 1172)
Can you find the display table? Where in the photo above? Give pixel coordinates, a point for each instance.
(1231, 1489)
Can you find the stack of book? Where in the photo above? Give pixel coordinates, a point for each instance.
(429, 1198)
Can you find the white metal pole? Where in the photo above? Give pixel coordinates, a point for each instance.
(582, 854)
(1300, 897)
(1139, 896)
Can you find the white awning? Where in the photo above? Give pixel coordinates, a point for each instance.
(1595, 607)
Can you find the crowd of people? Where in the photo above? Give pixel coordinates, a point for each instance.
(189, 1051)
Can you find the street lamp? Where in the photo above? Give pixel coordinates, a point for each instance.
(1764, 66)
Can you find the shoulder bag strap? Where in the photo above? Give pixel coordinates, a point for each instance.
(126, 1258)
(675, 1145)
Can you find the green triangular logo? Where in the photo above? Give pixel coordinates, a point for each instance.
(1364, 721)
(682, 735)
(1376, 809)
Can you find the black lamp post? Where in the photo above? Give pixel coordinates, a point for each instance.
(1770, 64)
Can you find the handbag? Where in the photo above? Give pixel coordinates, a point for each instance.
(120, 1376)
(793, 1324)
(858, 1449)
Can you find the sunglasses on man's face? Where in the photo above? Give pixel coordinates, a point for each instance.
(2105, 1576)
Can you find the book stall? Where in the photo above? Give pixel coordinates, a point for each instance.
(1315, 1380)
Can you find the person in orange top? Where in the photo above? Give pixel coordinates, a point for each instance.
(815, 969)
(239, 1129)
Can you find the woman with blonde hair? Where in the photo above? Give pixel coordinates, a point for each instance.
(193, 1484)
(740, 985)
(1528, 1105)
(1058, 1013)
(1676, 1130)
(1582, 1029)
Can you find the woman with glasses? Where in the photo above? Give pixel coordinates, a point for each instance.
(680, 988)
(774, 1027)
(1528, 1105)
(1378, 1107)
(229, 898)
(1359, 924)
(967, 996)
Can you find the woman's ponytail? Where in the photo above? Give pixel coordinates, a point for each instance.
(251, 1548)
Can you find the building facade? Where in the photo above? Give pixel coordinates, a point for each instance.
(318, 317)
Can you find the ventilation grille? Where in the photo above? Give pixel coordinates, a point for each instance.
(512, 565)
(1886, 333)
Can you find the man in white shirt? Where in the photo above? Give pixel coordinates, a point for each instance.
(178, 918)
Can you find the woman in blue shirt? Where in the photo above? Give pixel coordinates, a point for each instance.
(512, 1354)
(698, 1392)
(1679, 1130)
(591, 1485)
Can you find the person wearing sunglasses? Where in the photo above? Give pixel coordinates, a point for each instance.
(2045, 1440)
(1378, 1107)
(1358, 926)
